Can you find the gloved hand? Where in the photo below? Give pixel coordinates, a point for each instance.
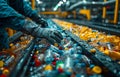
(41, 21)
(51, 35)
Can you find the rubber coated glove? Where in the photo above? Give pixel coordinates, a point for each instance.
(41, 21)
(53, 36)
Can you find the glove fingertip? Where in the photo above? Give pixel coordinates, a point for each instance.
(59, 35)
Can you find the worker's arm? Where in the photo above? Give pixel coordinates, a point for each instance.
(10, 18)
(25, 9)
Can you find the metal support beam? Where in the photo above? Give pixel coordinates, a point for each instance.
(16, 71)
(104, 11)
(116, 12)
(33, 4)
(10, 32)
(93, 4)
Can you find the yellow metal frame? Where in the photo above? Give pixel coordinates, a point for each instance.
(116, 11)
(86, 12)
(61, 14)
(33, 4)
(50, 13)
(65, 14)
(10, 31)
(104, 11)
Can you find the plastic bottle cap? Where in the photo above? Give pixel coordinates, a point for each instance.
(60, 48)
(34, 56)
(2, 68)
(93, 50)
(54, 63)
(97, 69)
(26, 42)
(70, 70)
(55, 44)
(3, 75)
(60, 69)
(59, 64)
(6, 71)
(37, 62)
(66, 49)
(13, 56)
(36, 52)
(56, 59)
(106, 52)
(115, 55)
(11, 44)
(1, 64)
(48, 67)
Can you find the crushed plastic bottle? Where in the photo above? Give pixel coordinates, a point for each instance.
(68, 66)
(10, 60)
(65, 59)
(48, 56)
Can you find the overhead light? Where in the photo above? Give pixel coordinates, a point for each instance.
(39, 2)
(58, 5)
(84, 1)
(55, 8)
(43, 9)
(68, 3)
(61, 2)
(64, 0)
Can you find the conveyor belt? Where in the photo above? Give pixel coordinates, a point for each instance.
(19, 69)
(108, 28)
(99, 58)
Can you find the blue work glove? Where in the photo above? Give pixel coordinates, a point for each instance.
(53, 36)
(40, 21)
(43, 22)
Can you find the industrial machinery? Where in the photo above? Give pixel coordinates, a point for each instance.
(90, 45)
(72, 57)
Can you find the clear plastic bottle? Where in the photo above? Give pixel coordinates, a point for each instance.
(10, 60)
(86, 60)
(48, 56)
(68, 65)
(80, 70)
